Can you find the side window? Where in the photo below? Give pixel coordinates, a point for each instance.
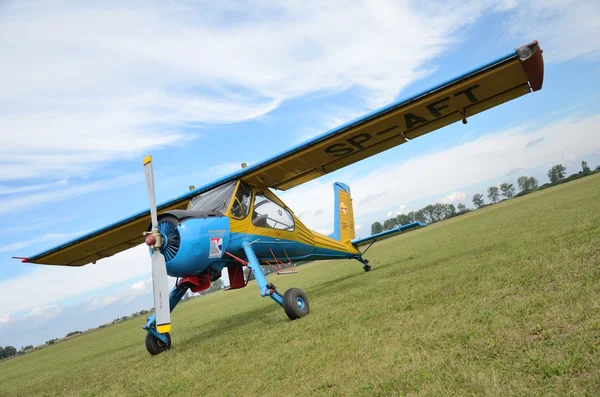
(271, 215)
(241, 201)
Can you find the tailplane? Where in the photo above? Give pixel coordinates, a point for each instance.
(343, 222)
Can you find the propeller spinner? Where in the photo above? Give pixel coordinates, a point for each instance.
(154, 239)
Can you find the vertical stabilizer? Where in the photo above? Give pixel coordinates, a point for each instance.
(343, 222)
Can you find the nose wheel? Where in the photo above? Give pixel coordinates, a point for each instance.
(156, 346)
(295, 303)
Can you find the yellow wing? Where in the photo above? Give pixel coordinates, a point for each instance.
(500, 81)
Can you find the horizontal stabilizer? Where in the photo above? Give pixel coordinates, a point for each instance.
(387, 234)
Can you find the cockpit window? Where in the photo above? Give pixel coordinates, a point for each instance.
(216, 199)
(241, 201)
(271, 215)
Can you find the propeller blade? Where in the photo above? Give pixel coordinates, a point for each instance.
(149, 173)
(160, 284)
(160, 280)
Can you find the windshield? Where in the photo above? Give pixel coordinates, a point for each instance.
(216, 199)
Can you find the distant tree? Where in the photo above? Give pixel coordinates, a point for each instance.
(598, 168)
(557, 173)
(450, 211)
(27, 347)
(478, 200)
(584, 168)
(527, 183)
(533, 183)
(9, 351)
(508, 190)
(439, 211)
(217, 285)
(493, 193)
(403, 219)
(420, 216)
(429, 213)
(389, 224)
(461, 208)
(376, 227)
(523, 183)
(1, 352)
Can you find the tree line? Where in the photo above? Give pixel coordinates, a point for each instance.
(437, 212)
(557, 174)
(10, 351)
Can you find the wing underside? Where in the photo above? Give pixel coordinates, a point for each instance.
(475, 92)
(103, 243)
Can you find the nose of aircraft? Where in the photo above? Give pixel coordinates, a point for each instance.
(192, 241)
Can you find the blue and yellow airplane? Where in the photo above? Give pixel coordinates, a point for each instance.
(237, 221)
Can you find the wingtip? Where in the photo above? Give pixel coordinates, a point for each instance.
(147, 159)
(22, 259)
(533, 64)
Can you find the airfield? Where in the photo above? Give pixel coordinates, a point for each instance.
(500, 301)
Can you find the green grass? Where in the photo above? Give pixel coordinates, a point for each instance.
(501, 301)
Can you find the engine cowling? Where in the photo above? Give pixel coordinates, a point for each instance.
(192, 240)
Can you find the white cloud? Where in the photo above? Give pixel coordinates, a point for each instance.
(564, 28)
(454, 197)
(104, 301)
(111, 80)
(73, 280)
(46, 237)
(10, 202)
(45, 312)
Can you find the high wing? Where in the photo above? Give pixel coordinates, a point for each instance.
(502, 80)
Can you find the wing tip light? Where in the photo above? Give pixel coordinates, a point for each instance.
(22, 259)
(532, 61)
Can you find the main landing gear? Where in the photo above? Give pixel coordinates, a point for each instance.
(294, 301)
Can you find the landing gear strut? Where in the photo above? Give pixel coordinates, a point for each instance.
(294, 301)
(365, 262)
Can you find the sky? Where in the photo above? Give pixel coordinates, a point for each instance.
(89, 89)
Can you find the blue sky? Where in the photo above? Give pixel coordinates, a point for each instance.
(89, 90)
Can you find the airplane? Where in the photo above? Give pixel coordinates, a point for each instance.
(237, 221)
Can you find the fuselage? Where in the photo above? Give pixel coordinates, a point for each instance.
(202, 238)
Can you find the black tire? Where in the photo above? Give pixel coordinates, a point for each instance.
(156, 346)
(295, 303)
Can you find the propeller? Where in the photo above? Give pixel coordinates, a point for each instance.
(154, 240)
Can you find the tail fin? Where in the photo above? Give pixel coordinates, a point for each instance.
(343, 222)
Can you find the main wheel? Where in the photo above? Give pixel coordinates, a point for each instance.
(156, 346)
(295, 303)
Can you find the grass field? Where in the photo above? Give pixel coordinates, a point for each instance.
(501, 301)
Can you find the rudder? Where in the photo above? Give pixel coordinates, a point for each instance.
(343, 222)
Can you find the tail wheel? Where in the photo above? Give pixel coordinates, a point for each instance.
(295, 303)
(156, 346)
